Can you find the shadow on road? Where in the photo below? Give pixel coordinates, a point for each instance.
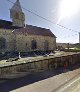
(31, 78)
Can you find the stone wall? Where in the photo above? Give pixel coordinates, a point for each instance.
(23, 43)
(41, 65)
(9, 37)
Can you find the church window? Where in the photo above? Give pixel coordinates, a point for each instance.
(46, 45)
(33, 44)
(26, 44)
(2, 43)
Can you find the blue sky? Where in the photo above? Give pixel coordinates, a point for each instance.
(50, 10)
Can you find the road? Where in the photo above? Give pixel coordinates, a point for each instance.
(72, 86)
(47, 81)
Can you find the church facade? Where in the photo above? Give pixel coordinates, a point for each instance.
(15, 36)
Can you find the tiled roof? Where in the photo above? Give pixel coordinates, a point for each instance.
(29, 29)
(33, 30)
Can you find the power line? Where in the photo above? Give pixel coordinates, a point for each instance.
(45, 18)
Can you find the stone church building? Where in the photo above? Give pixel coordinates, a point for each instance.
(16, 36)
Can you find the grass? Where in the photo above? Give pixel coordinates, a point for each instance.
(72, 50)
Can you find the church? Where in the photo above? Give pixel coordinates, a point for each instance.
(17, 36)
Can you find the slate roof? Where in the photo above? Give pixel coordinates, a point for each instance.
(17, 6)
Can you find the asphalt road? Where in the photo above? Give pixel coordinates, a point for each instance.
(31, 79)
(72, 86)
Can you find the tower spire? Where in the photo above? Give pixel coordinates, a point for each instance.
(16, 14)
(17, 6)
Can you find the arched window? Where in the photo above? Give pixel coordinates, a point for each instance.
(2, 43)
(33, 44)
(46, 45)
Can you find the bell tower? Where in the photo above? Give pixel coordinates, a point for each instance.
(16, 14)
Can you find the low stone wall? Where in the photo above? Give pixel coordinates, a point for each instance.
(41, 65)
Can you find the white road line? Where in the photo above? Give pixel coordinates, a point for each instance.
(69, 85)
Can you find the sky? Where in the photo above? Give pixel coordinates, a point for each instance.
(62, 12)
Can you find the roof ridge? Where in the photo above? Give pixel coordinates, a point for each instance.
(37, 27)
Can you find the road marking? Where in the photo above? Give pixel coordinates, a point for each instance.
(69, 85)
